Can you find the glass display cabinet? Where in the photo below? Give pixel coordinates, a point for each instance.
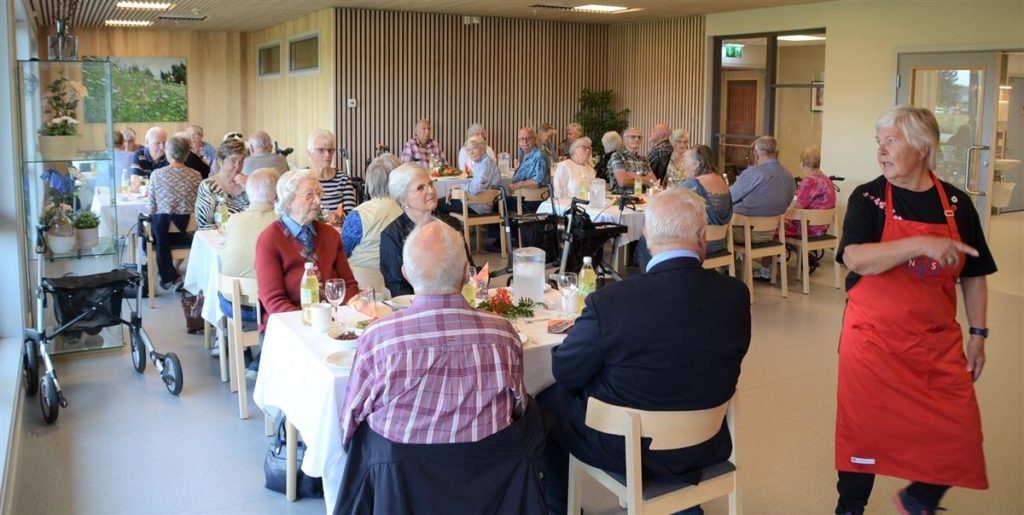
(69, 181)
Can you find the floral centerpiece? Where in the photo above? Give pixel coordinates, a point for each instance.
(445, 171)
(501, 304)
(58, 136)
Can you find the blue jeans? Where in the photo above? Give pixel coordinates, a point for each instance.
(248, 312)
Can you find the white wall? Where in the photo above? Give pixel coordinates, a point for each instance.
(864, 37)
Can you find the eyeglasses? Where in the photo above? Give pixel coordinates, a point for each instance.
(308, 196)
(422, 188)
(636, 136)
(325, 150)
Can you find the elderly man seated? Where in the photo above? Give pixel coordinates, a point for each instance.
(764, 189)
(439, 371)
(534, 170)
(152, 157)
(262, 155)
(696, 330)
(238, 258)
(422, 149)
(628, 164)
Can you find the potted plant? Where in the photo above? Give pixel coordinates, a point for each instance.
(58, 137)
(87, 229)
(60, 237)
(596, 117)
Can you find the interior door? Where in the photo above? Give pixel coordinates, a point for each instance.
(961, 89)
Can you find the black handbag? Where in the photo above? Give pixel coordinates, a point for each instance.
(275, 468)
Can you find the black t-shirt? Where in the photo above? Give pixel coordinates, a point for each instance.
(865, 219)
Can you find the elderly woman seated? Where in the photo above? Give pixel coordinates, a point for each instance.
(226, 186)
(701, 177)
(172, 197)
(674, 173)
(297, 238)
(571, 172)
(362, 229)
(339, 195)
(815, 191)
(410, 186)
(611, 142)
(485, 176)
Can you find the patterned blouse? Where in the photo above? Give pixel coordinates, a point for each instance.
(338, 191)
(206, 203)
(172, 190)
(814, 192)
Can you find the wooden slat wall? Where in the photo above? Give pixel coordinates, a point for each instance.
(504, 73)
(657, 70)
(214, 73)
(290, 107)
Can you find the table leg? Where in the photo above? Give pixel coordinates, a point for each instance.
(291, 446)
(222, 342)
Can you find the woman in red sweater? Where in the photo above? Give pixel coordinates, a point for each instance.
(285, 246)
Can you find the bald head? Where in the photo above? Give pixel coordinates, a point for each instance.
(660, 132)
(430, 244)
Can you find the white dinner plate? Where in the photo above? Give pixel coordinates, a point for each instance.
(403, 301)
(341, 359)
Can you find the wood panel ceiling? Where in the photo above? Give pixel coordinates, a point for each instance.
(250, 15)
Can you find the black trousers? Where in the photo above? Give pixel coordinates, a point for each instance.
(164, 241)
(855, 488)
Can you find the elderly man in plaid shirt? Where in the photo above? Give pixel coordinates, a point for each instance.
(438, 371)
(422, 149)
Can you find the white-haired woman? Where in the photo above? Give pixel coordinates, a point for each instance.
(227, 186)
(172, 198)
(573, 170)
(485, 176)
(199, 147)
(676, 172)
(363, 226)
(297, 238)
(906, 402)
(611, 142)
(411, 188)
(573, 132)
(478, 131)
(339, 193)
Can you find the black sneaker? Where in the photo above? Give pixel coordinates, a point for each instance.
(908, 505)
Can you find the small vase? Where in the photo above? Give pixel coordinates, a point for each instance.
(58, 148)
(60, 244)
(88, 238)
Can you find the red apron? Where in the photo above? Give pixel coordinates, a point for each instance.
(906, 404)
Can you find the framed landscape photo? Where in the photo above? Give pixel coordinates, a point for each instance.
(145, 89)
(817, 96)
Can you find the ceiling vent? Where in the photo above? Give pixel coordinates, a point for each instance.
(182, 17)
(555, 7)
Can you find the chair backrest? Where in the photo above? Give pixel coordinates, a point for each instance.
(533, 194)
(172, 228)
(757, 223)
(813, 216)
(666, 429)
(484, 197)
(717, 232)
(243, 288)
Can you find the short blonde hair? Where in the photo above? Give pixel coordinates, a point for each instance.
(810, 157)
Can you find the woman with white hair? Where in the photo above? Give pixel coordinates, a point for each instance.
(199, 147)
(363, 226)
(339, 194)
(675, 172)
(172, 198)
(227, 186)
(573, 132)
(574, 170)
(412, 189)
(297, 238)
(485, 176)
(611, 142)
(906, 401)
(475, 130)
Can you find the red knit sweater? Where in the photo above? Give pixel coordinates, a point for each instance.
(279, 266)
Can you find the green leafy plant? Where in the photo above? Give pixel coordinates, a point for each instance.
(597, 117)
(86, 220)
(62, 105)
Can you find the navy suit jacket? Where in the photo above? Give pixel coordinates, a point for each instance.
(670, 339)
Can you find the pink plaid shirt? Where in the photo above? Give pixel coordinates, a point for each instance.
(437, 372)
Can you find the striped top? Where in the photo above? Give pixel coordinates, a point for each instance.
(436, 372)
(338, 191)
(206, 203)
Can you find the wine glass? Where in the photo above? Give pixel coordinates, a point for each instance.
(334, 291)
(568, 285)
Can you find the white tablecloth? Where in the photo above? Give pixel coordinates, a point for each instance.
(203, 273)
(446, 184)
(129, 207)
(633, 219)
(296, 379)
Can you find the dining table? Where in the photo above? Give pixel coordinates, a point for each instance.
(444, 185)
(296, 380)
(123, 212)
(631, 216)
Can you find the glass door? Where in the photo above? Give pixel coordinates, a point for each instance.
(961, 89)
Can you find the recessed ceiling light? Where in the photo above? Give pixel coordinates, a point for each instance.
(801, 37)
(155, 6)
(599, 8)
(128, 23)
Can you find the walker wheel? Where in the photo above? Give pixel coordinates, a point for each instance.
(30, 366)
(171, 374)
(49, 400)
(138, 351)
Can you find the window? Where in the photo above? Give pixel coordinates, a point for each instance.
(269, 60)
(304, 53)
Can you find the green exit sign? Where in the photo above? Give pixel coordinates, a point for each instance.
(734, 51)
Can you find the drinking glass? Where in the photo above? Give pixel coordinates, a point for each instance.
(568, 285)
(334, 291)
(469, 288)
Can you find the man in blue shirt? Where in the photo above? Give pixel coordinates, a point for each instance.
(151, 156)
(533, 171)
(765, 189)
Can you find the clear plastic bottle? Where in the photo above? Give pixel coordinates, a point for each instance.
(587, 281)
(638, 186)
(583, 190)
(309, 291)
(220, 216)
(126, 181)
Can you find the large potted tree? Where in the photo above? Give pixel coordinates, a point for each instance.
(597, 117)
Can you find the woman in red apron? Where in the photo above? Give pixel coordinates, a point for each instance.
(906, 404)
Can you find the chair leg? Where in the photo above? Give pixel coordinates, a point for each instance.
(748, 275)
(221, 340)
(805, 266)
(574, 504)
(465, 234)
(243, 386)
(229, 351)
(733, 503)
(502, 240)
(835, 268)
(785, 275)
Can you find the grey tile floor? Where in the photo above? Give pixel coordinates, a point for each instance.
(124, 445)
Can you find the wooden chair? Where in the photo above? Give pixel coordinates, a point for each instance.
(370, 278)
(667, 430)
(242, 292)
(723, 257)
(176, 254)
(469, 218)
(751, 251)
(806, 244)
(530, 195)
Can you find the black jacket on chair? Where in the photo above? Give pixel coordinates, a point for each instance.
(500, 474)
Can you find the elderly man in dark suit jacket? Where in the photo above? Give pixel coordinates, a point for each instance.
(670, 339)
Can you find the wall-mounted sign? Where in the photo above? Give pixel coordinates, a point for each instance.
(733, 51)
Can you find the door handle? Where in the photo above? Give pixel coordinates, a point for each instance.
(967, 170)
